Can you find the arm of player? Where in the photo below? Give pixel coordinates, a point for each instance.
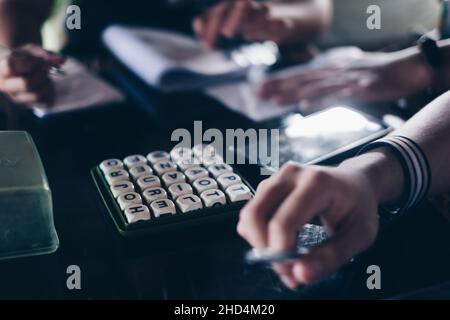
(346, 198)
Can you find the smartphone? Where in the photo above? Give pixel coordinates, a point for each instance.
(333, 134)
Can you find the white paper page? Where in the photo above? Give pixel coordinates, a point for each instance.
(136, 54)
(152, 54)
(79, 89)
(185, 52)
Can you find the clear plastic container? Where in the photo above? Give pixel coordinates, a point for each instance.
(26, 214)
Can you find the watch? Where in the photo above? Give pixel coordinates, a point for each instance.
(430, 49)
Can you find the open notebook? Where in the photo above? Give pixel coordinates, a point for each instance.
(78, 89)
(172, 61)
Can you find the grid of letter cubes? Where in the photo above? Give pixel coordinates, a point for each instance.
(164, 183)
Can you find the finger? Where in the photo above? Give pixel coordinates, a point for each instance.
(45, 95)
(20, 63)
(282, 85)
(264, 28)
(355, 85)
(278, 31)
(255, 215)
(238, 13)
(273, 89)
(199, 26)
(268, 88)
(314, 92)
(256, 30)
(213, 24)
(331, 95)
(28, 59)
(297, 209)
(285, 99)
(51, 58)
(352, 238)
(289, 281)
(293, 96)
(285, 269)
(255, 24)
(306, 77)
(29, 83)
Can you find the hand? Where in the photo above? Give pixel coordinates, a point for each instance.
(24, 75)
(352, 78)
(249, 19)
(343, 198)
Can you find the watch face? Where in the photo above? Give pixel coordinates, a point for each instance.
(431, 51)
(444, 26)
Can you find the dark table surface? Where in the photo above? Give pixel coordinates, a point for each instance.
(413, 252)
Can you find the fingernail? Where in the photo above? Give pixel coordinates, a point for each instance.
(299, 272)
(260, 93)
(289, 282)
(277, 101)
(304, 105)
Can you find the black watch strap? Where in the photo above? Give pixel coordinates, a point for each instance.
(432, 52)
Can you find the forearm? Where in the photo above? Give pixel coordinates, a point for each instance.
(309, 17)
(438, 80)
(383, 171)
(21, 21)
(430, 129)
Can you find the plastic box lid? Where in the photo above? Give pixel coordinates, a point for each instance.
(26, 211)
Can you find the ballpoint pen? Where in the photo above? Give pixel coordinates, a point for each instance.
(57, 71)
(310, 236)
(266, 257)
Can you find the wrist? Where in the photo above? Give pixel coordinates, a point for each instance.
(444, 78)
(424, 75)
(437, 69)
(427, 75)
(383, 172)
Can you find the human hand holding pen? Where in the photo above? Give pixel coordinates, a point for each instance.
(24, 74)
(346, 200)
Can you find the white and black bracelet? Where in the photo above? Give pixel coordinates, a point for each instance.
(415, 165)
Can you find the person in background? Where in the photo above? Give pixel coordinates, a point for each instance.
(361, 77)
(24, 70)
(21, 21)
(397, 171)
(356, 76)
(284, 22)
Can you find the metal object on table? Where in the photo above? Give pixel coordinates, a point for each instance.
(310, 236)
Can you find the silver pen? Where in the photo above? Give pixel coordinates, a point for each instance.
(310, 236)
(266, 257)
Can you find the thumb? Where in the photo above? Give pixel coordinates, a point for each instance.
(354, 237)
(50, 58)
